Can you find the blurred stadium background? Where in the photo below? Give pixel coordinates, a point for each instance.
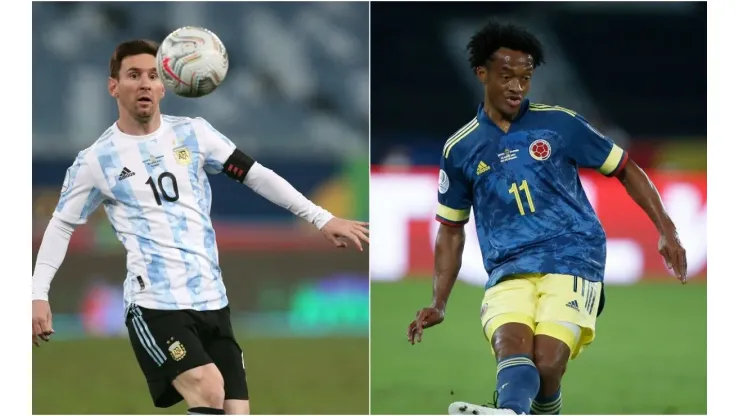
(635, 70)
(301, 306)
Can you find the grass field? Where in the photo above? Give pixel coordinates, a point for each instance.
(285, 376)
(649, 356)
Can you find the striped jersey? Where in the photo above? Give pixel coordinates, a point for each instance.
(531, 211)
(157, 197)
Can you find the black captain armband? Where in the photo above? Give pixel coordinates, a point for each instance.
(237, 165)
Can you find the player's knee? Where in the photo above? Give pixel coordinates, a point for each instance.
(236, 407)
(212, 394)
(551, 356)
(551, 359)
(202, 386)
(551, 369)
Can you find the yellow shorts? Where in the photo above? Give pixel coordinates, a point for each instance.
(541, 300)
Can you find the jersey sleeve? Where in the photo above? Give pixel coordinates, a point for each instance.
(591, 149)
(79, 197)
(217, 147)
(454, 193)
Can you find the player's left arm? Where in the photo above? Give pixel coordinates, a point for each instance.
(643, 192)
(589, 148)
(222, 155)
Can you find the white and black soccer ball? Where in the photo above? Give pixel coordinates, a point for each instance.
(192, 62)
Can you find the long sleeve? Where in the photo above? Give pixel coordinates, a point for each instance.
(277, 190)
(50, 256)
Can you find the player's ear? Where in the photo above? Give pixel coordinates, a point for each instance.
(113, 87)
(480, 72)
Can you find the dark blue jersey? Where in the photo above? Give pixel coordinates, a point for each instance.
(531, 211)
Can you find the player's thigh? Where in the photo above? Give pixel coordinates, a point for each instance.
(165, 345)
(228, 356)
(567, 301)
(510, 306)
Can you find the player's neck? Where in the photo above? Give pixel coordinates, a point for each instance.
(496, 117)
(133, 127)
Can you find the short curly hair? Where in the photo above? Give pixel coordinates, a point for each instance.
(495, 35)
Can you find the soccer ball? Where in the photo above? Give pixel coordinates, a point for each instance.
(192, 62)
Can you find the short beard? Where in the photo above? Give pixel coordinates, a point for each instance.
(143, 118)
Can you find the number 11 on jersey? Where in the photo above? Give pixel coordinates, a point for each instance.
(524, 187)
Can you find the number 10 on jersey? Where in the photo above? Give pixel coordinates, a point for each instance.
(524, 187)
(167, 197)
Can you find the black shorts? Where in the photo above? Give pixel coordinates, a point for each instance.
(168, 343)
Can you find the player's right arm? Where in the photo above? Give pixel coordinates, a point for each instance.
(79, 198)
(454, 197)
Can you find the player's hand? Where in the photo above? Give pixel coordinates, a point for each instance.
(674, 254)
(425, 318)
(337, 230)
(41, 321)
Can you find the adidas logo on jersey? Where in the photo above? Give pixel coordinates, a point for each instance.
(482, 168)
(125, 173)
(573, 305)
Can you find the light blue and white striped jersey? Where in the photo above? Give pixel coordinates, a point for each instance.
(156, 194)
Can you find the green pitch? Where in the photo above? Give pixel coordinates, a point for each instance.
(649, 356)
(286, 376)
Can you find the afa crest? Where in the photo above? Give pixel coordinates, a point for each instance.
(540, 150)
(182, 155)
(177, 351)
